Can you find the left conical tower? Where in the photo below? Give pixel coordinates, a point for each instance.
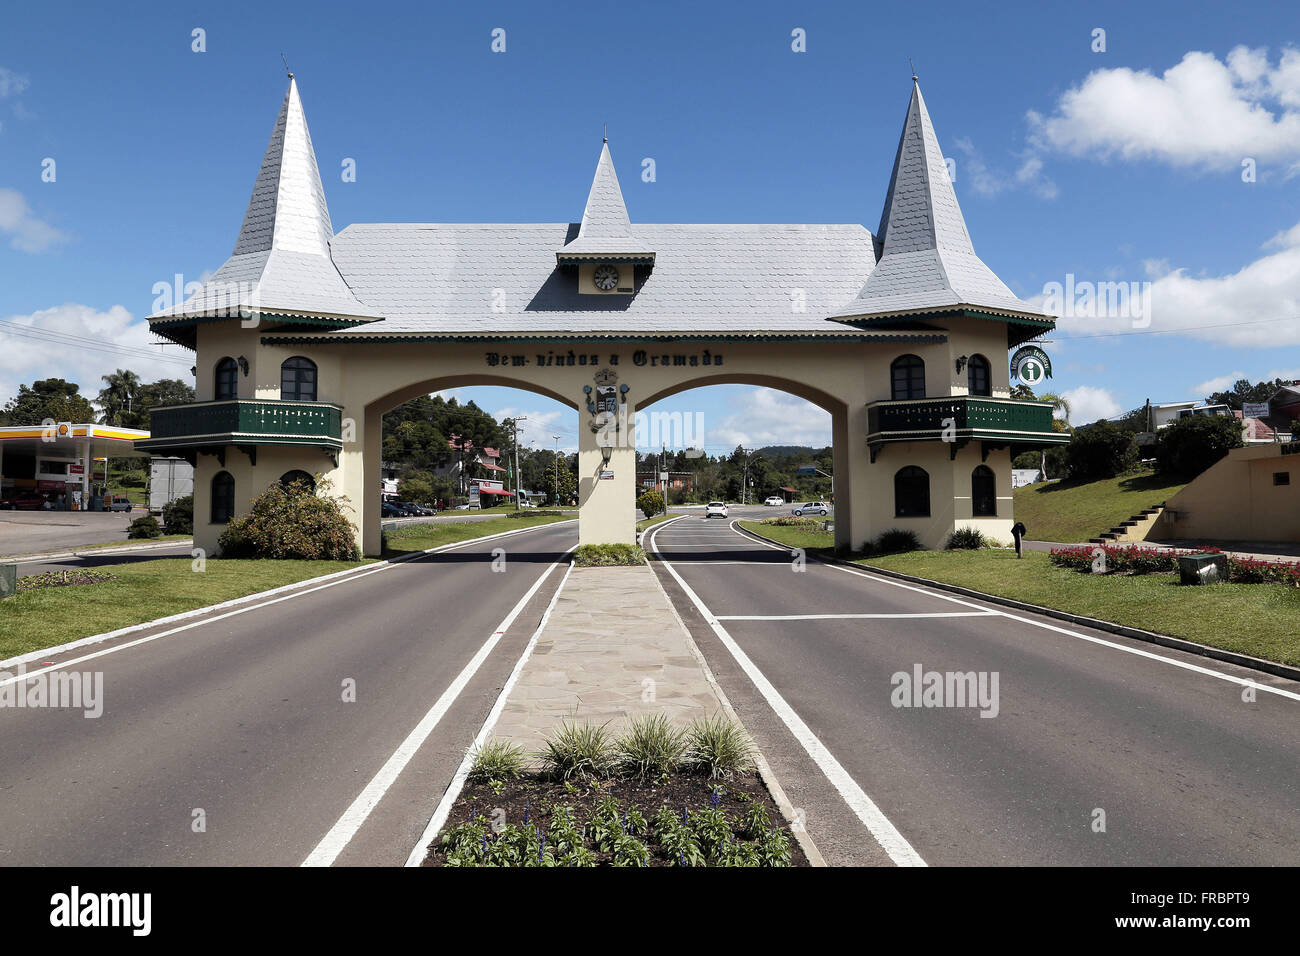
(281, 269)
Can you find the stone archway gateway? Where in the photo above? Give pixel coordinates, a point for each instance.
(326, 332)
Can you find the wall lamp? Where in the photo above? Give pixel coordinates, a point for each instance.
(605, 452)
(961, 362)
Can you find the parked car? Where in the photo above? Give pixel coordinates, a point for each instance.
(117, 503)
(390, 509)
(774, 502)
(812, 508)
(715, 509)
(23, 501)
(415, 508)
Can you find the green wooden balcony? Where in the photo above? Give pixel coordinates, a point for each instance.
(960, 419)
(244, 422)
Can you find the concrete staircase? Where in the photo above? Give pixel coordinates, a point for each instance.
(1136, 528)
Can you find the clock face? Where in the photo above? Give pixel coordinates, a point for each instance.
(605, 278)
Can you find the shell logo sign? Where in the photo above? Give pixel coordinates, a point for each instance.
(63, 430)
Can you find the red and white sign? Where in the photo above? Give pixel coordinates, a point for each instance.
(45, 485)
(76, 469)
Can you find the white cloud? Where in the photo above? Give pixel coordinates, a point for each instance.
(990, 182)
(1088, 403)
(29, 233)
(83, 358)
(764, 416)
(1220, 383)
(1258, 306)
(1202, 113)
(11, 83)
(540, 426)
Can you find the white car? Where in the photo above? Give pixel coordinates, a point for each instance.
(715, 509)
(811, 508)
(774, 502)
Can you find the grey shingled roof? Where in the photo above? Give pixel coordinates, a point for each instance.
(442, 278)
(927, 261)
(606, 229)
(281, 261)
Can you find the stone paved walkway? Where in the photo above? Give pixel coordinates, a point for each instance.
(612, 649)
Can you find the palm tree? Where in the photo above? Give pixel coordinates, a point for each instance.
(1060, 420)
(120, 398)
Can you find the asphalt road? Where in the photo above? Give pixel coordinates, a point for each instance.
(1171, 761)
(240, 721)
(42, 532)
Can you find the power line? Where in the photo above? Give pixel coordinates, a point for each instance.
(1190, 328)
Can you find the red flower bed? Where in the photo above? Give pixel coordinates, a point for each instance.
(1132, 559)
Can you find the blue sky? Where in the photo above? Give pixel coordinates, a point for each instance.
(1115, 166)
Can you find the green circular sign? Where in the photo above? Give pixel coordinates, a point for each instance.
(1030, 370)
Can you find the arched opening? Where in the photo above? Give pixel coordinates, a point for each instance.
(911, 493)
(299, 476)
(907, 377)
(984, 492)
(979, 381)
(223, 497)
(225, 381)
(298, 380)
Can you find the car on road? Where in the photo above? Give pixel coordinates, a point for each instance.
(23, 501)
(774, 502)
(715, 509)
(416, 508)
(391, 509)
(117, 503)
(811, 508)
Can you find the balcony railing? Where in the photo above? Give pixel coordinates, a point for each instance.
(962, 418)
(244, 422)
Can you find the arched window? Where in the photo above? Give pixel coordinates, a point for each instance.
(223, 497)
(298, 380)
(978, 379)
(289, 477)
(911, 493)
(983, 492)
(226, 383)
(908, 377)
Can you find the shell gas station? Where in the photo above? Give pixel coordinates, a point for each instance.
(63, 462)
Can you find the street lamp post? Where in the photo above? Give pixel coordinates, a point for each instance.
(557, 470)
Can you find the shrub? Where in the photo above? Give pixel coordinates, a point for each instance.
(718, 746)
(652, 747)
(1100, 450)
(146, 526)
(897, 539)
(178, 515)
(533, 513)
(291, 522)
(495, 761)
(965, 539)
(790, 521)
(1256, 571)
(577, 750)
(1191, 445)
(608, 555)
(651, 503)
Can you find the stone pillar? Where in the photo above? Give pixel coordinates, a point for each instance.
(607, 506)
(853, 477)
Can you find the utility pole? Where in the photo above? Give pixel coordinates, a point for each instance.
(514, 424)
(557, 470)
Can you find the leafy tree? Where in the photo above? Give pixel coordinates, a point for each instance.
(49, 398)
(417, 486)
(1243, 390)
(178, 515)
(1188, 446)
(1100, 450)
(568, 479)
(651, 503)
(120, 399)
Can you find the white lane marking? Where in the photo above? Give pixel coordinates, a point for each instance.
(1196, 668)
(1139, 652)
(885, 833)
(734, 526)
(853, 617)
(439, 818)
(298, 589)
(341, 834)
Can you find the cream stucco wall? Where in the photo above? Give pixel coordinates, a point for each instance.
(1235, 500)
(368, 379)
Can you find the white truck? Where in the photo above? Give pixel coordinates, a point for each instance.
(169, 479)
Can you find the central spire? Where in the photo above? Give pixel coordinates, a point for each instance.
(606, 230)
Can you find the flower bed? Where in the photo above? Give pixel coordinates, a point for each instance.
(790, 521)
(1132, 559)
(62, 579)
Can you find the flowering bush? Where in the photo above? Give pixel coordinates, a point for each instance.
(1132, 559)
(790, 521)
(291, 522)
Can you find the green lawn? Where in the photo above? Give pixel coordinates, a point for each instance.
(1255, 619)
(651, 522)
(141, 591)
(1064, 511)
(420, 537)
(793, 537)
